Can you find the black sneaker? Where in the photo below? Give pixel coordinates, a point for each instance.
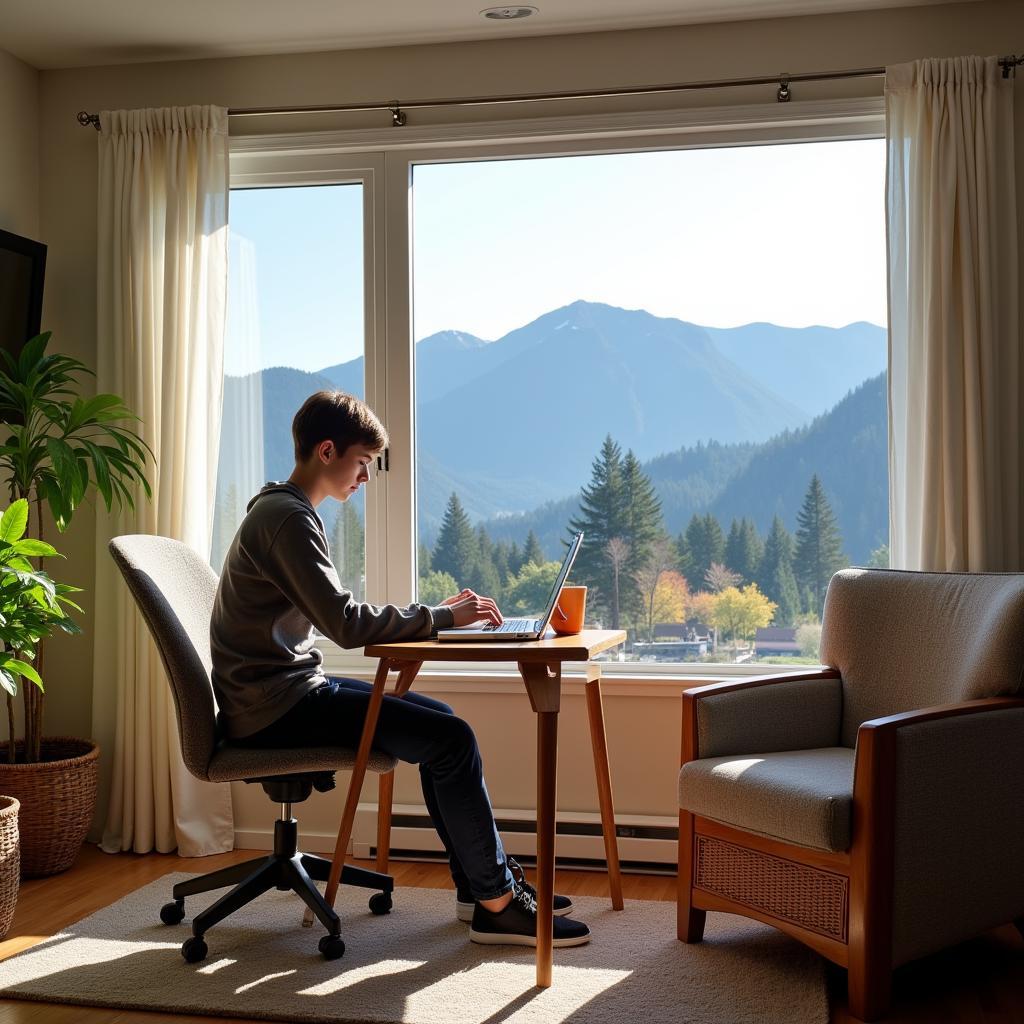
(464, 902)
(516, 925)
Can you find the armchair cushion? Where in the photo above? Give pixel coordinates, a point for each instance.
(796, 796)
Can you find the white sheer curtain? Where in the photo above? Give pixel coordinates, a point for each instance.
(955, 334)
(161, 288)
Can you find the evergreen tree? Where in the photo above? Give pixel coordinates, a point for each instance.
(501, 562)
(423, 554)
(705, 544)
(643, 527)
(603, 515)
(683, 553)
(483, 576)
(515, 559)
(775, 577)
(456, 547)
(743, 549)
(532, 550)
(819, 546)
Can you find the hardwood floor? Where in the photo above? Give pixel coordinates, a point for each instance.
(979, 982)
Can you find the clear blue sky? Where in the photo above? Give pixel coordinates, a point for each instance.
(794, 235)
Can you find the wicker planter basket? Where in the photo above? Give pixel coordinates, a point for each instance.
(58, 800)
(10, 862)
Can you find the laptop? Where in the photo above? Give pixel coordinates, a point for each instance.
(519, 629)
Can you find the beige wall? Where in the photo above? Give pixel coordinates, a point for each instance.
(643, 733)
(19, 154)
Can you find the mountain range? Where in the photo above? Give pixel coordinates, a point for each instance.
(513, 425)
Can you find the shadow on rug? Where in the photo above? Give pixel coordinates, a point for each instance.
(417, 966)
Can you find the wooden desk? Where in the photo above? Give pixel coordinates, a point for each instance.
(540, 664)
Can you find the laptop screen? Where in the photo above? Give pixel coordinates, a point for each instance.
(563, 573)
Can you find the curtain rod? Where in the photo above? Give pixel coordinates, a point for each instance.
(1009, 65)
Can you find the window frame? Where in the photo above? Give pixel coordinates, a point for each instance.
(384, 161)
(277, 169)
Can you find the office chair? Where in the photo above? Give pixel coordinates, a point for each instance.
(174, 589)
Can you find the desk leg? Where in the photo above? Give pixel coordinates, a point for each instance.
(599, 744)
(547, 768)
(386, 780)
(356, 781)
(544, 686)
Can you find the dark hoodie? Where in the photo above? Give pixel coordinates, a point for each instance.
(278, 582)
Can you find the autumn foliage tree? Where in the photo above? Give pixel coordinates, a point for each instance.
(658, 581)
(738, 614)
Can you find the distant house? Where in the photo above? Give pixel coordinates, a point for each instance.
(776, 640)
(677, 641)
(692, 630)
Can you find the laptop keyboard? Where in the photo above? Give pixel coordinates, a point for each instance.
(512, 626)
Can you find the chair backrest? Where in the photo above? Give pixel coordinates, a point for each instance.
(907, 640)
(175, 588)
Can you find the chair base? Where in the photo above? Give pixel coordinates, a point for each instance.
(284, 869)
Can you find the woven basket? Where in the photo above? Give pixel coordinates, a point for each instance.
(10, 862)
(58, 801)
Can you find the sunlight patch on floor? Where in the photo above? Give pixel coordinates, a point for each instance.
(347, 979)
(263, 980)
(508, 992)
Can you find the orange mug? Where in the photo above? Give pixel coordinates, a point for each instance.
(569, 610)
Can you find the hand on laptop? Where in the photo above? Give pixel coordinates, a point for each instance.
(469, 607)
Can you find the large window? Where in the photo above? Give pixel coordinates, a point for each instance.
(680, 350)
(683, 353)
(295, 325)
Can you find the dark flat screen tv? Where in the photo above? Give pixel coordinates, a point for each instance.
(22, 267)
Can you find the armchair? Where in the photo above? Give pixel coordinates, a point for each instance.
(871, 809)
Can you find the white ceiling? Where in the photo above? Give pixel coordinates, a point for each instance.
(76, 33)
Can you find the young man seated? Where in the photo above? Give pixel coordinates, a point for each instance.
(277, 583)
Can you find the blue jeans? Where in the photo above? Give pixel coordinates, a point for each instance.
(422, 731)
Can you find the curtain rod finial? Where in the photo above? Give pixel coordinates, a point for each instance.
(85, 119)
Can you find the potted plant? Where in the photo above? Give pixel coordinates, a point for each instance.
(31, 606)
(60, 448)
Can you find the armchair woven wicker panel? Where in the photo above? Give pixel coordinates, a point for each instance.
(870, 809)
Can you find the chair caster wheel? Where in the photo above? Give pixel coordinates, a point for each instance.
(332, 947)
(381, 903)
(173, 913)
(194, 950)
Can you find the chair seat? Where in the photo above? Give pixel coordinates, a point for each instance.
(803, 797)
(234, 764)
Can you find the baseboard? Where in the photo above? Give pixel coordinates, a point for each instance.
(642, 839)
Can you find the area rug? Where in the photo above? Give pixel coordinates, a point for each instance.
(417, 966)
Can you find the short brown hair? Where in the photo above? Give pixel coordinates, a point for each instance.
(338, 417)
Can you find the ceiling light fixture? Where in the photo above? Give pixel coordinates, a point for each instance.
(508, 13)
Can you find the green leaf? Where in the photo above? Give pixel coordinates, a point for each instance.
(102, 470)
(8, 682)
(35, 548)
(102, 408)
(20, 668)
(32, 354)
(55, 499)
(14, 520)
